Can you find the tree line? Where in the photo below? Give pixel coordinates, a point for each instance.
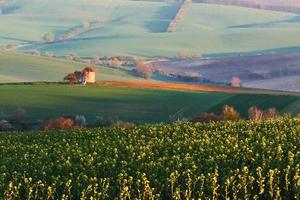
(19, 120)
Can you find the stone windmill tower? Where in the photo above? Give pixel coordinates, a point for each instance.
(88, 75)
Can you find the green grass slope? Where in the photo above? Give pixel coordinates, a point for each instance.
(128, 104)
(26, 68)
(207, 29)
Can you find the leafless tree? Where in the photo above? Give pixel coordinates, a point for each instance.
(255, 113)
(143, 69)
(236, 82)
(49, 37)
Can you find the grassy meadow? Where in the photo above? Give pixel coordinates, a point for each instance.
(128, 104)
(26, 68)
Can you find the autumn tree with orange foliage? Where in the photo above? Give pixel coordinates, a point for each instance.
(182, 53)
(60, 123)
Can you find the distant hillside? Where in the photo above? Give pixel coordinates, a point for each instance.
(277, 72)
(277, 5)
(25, 68)
(206, 28)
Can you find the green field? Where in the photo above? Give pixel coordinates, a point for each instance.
(128, 104)
(207, 29)
(27, 68)
(233, 160)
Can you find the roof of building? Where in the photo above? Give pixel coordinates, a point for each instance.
(88, 69)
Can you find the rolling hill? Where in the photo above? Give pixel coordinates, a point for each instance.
(276, 71)
(131, 103)
(276, 5)
(27, 68)
(206, 29)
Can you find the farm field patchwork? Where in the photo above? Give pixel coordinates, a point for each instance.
(117, 129)
(138, 105)
(207, 29)
(241, 160)
(277, 71)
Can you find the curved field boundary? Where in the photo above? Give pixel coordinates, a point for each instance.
(179, 16)
(171, 86)
(191, 87)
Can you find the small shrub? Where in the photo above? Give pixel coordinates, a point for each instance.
(34, 52)
(96, 60)
(229, 113)
(115, 62)
(6, 126)
(271, 113)
(49, 54)
(121, 124)
(105, 122)
(72, 78)
(20, 116)
(192, 74)
(206, 117)
(182, 53)
(73, 56)
(80, 120)
(49, 37)
(254, 113)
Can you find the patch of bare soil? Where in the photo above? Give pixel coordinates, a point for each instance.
(191, 87)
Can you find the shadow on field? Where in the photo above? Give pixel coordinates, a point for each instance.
(162, 18)
(268, 24)
(9, 9)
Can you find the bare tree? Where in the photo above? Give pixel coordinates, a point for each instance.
(236, 82)
(255, 114)
(71, 78)
(86, 25)
(271, 113)
(49, 54)
(72, 56)
(96, 60)
(34, 52)
(143, 69)
(49, 37)
(182, 53)
(115, 62)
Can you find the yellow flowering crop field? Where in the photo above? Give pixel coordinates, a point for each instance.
(224, 160)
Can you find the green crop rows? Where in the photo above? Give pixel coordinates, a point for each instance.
(226, 160)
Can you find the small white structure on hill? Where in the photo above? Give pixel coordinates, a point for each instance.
(87, 75)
